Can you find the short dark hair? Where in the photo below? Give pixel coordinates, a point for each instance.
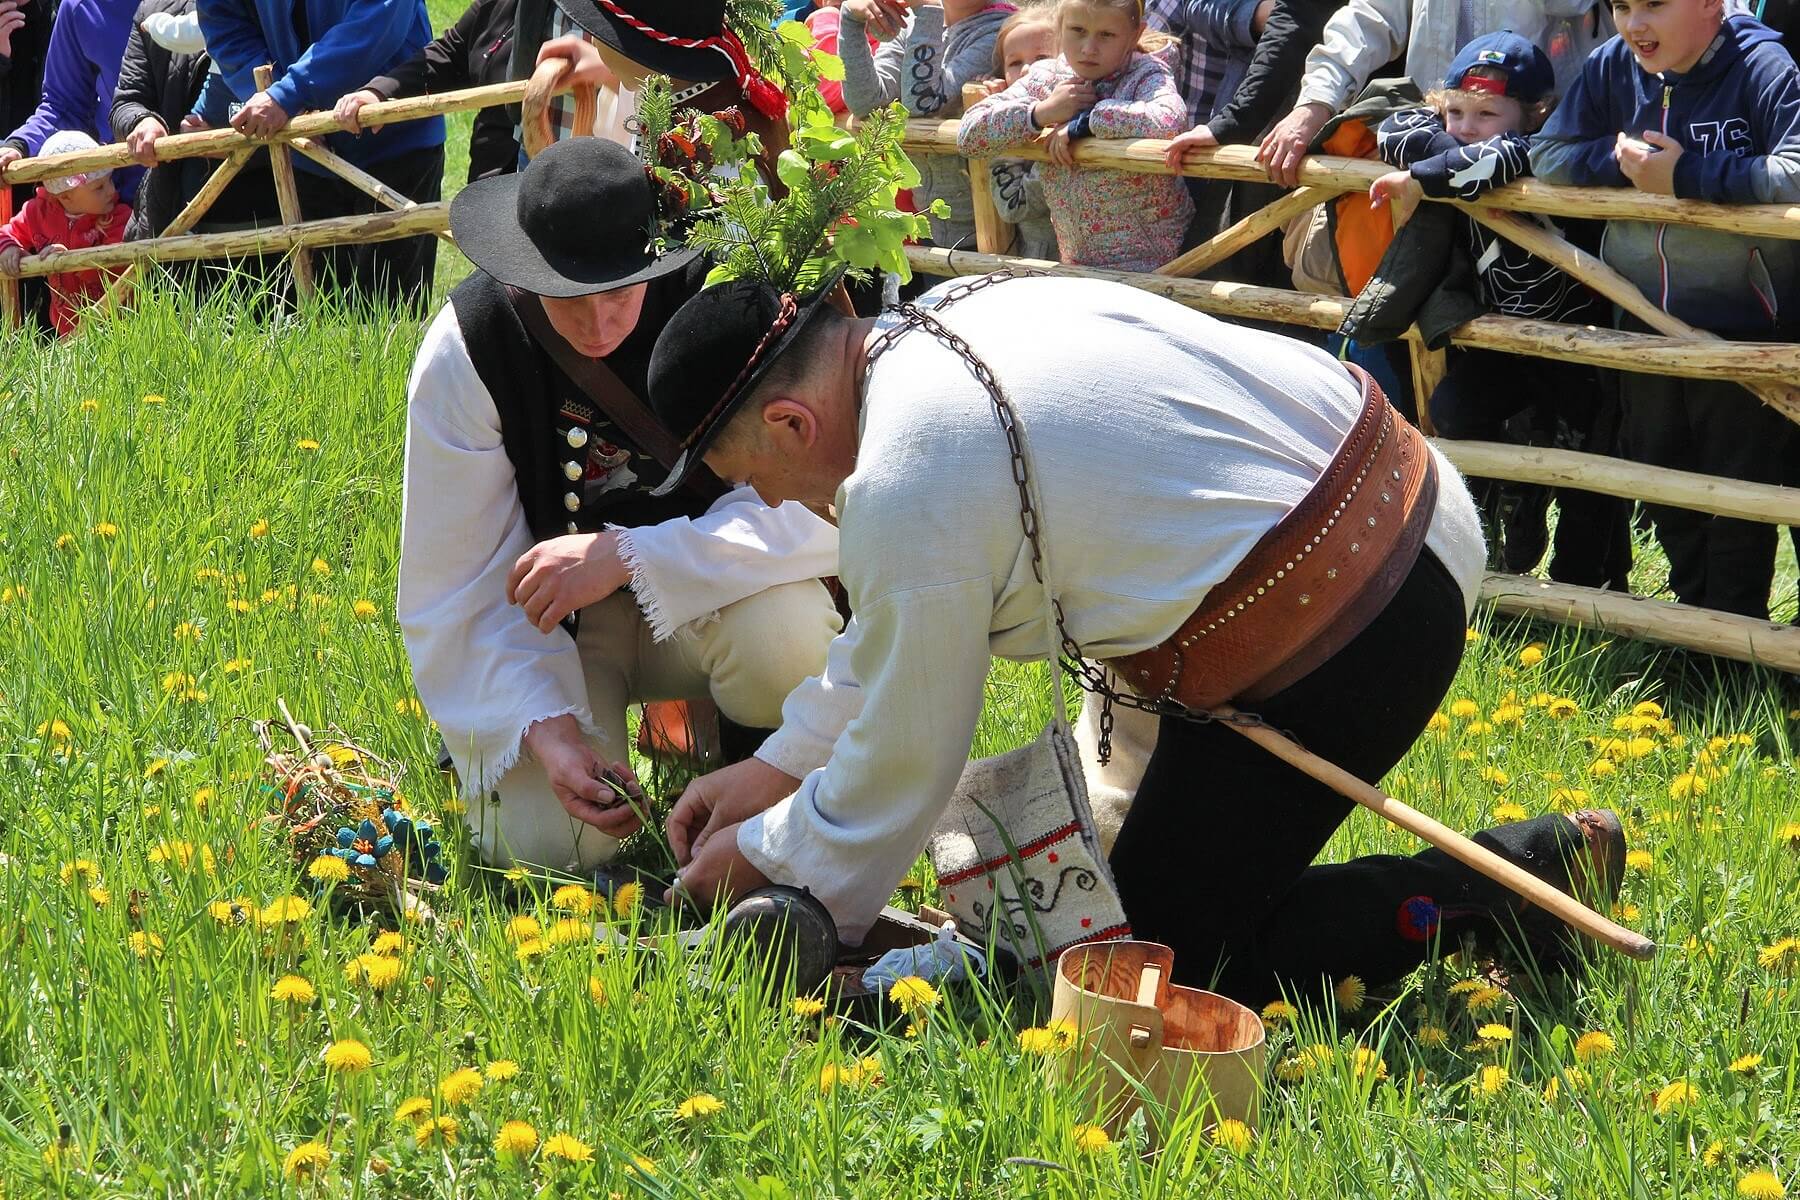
(810, 349)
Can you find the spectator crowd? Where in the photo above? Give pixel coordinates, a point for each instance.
(1699, 99)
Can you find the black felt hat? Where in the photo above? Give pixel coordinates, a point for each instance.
(713, 352)
(577, 220)
(666, 37)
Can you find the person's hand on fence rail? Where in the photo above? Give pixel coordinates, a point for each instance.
(1198, 138)
(1399, 189)
(587, 68)
(194, 123)
(1286, 144)
(141, 141)
(9, 155)
(349, 108)
(1650, 163)
(886, 18)
(260, 117)
(576, 770)
(12, 19)
(1059, 145)
(1065, 102)
(9, 260)
(565, 574)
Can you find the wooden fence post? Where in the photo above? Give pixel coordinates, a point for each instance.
(992, 235)
(287, 195)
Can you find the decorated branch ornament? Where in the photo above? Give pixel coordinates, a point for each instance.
(580, 218)
(687, 39)
(713, 352)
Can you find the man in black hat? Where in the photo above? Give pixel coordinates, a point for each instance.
(1225, 515)
(543, 586)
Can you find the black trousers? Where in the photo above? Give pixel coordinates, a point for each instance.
(1215, 856)
(1715, 427)
(1493, 397)
(398, 272)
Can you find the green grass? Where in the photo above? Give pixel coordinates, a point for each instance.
(176, 1073)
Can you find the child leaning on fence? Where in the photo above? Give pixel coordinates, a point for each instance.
(1106, 83)
(1473, 136)
(1690, 103)
(1027, 37)
(924, 61)
(73, 212)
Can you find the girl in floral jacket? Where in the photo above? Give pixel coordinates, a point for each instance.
(1108, 82)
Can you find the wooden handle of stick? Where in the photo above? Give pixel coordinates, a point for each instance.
(534, 109)
(1552, 900)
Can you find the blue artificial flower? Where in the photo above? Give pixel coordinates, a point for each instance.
(346, 836)
(365, 860)
(384, 847)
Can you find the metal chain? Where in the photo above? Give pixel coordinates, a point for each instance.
(1088, 676)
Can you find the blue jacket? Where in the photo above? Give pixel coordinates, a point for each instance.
(351, 42)
(81, 72)
(1737, 117)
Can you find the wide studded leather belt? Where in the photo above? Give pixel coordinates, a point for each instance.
(1314, 581)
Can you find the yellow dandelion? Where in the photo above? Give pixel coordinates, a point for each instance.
(1531, 655)
(911, 994)
(106, 529)
(523, 928)
(1562, 708)
(308, 444)
(203, 797)
(1438, 723)
(699, 1107)
(1464, 709)
(439, 1130)
(1432, 1036)
(1277, 1012)
(236, 666)
(231, 912)
(1595, 1043)
(292, 989)
(1508, 811)
(328, 868)
(413, 1109)
(1771, 956)
(187, 631)
(1471, 636)
(1350, 992)
(515, 1137)
(1626, 911)
(807, 1007)
(1509, 714)
(1038, 1040)
(501, 1070)
(1600, 768)
(1687, 785)
(1640, 747)
(85, 870)
(259, 528)
(364, 610)
(153, 398)
(1490, 1080)
(1495, 776)
(1232, 1136)
(1565, 800)
(348, 1057)
(388, 942)
(56, 730)
(597, 990)
(626, 898)
(1477, 729)
(460, 1086)
(90, 405)
(566, 931)
(144, 944)
(1090, 1139)
(531, 948)
(1367, 1062)
(569, 1149)
(574, 898)
(1745, 1064)
(1761, 1185)
(1484, 998)
(1647, 708)
(306, 1160)
(100, 896)
(1494, 1033)
(284, 910)
(1789, 835)
(1640, 860)
(378, 971)
(1676, 1095)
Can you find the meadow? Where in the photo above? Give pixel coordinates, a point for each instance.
(202, 522)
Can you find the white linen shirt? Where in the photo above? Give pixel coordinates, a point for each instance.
(1164, 444)
(483, 671)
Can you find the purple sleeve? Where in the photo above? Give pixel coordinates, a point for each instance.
(1148, 105)
(81, 62)
(1003, 121)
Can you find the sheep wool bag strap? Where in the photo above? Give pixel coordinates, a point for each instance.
(1017, 856)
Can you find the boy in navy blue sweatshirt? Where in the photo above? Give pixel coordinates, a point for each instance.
(1688, 102)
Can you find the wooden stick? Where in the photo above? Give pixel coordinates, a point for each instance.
(11, 306)
(1632, 481)
(358, 178)
(1552, 900)
(1251, 229)
(1773, 362)
(992, 235)
(287, 195)
(1145, 157)
(549, 79)
(1724, 635)
(210, 191)
(364, 227)
(1553, 248)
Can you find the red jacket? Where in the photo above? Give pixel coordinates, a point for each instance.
(43, 223)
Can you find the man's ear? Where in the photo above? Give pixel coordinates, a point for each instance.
(790, 423)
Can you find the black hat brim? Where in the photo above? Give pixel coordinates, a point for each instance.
(484, 220)
(690, 458)
(685, 63)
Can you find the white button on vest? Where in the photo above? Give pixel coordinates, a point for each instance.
(578, 437)
(572, 502)
(574, 528)
(572, 470)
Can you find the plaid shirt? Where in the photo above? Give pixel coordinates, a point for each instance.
(1197, 79)
(562, 108)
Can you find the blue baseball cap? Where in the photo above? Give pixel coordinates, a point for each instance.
(1527, 74)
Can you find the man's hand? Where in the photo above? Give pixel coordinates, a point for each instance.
(9, 260)
(11, 21)
(349, 108)
(1199, 137)
(718, 874)
(565, 574)
(1065, 102)
(725, 798)
(9, 155)
(885, 17)
(141, 141)
(575, 773)
(1399, 189)
(193, 123)
(1286, 144)
(260, 117)
(589, 68)
(1649, 164)
(1058, 143)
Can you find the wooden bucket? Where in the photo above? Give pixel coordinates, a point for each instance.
(1139, 1037)
(534, 107)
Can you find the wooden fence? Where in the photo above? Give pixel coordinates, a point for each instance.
(1772, 371)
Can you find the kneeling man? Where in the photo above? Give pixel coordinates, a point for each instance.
(543, 587)
(1227, 514)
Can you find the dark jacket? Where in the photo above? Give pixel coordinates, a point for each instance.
(1262, 74)
(154, 82)
(1737, 118)
(322, 49)
(22, 76)
(476, 50)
